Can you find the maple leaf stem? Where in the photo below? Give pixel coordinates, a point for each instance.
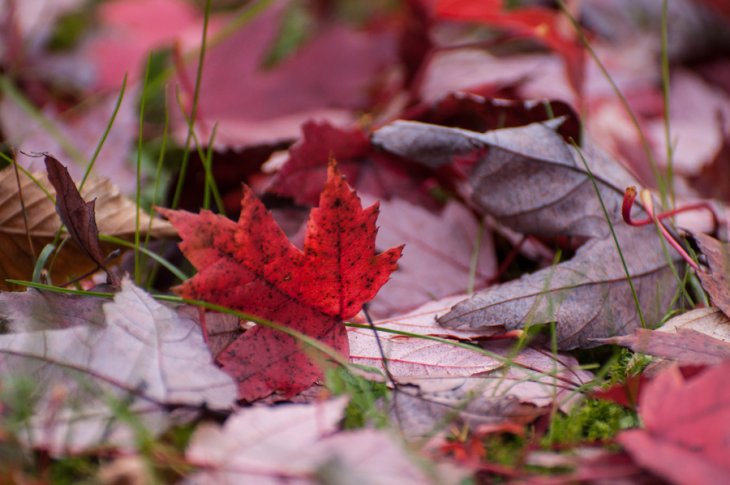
(630, 196)
(628, 202)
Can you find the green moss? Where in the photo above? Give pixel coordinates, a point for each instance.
(74, 470)
(365, 398)
(592, 420)
(505, 448)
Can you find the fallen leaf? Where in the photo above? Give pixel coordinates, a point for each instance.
(426, 407)
(441, 381)
(303, 174)
(410, 357)
(714, 279)
(713, 180)
(542, 24)
(710, 321)
(422, 320)
(687, 421)
(279, 99)
(566, 203)
(73, 135)
(624, 393)
(697, 132)
(144, 354)
(473, 70)
(299, 442)
(375, 173)
(116, 216)
(77, 215)
(131, 29)
(478, 113)
(700, 336)
(222, 328)
(437, 260)
(252, 266)
(686, 346)
(588, 296)
(516, 393)
(33, 310)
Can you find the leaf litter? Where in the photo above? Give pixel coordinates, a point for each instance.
(465, 371)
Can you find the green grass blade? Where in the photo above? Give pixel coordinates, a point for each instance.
(193, 109)
(104, 135)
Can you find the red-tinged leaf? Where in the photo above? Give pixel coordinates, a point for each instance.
(541, 24)
(422, 321)
(304, 173)
(698, 134)
(440, 379)
(350, 65)
(697, 337)
(686, 346)
(715, 279)
(369, 170)
(477, 113)
(626, 394)
(687, 422)
(132, 28)
(437, 265)
(253, 267)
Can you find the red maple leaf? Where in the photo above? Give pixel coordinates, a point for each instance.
(539, 23)
(252, 266)
(686, 435)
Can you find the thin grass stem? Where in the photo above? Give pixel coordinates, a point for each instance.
(104, 135)
(630, 280)
(138, 192)
(193, 109)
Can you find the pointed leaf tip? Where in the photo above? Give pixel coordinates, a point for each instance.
(251, 266)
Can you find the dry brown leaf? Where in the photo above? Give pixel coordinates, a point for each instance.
(529, 179)
(115, 216)
(532, 181)
(716, 278)
(588, 295)
(710, 321)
